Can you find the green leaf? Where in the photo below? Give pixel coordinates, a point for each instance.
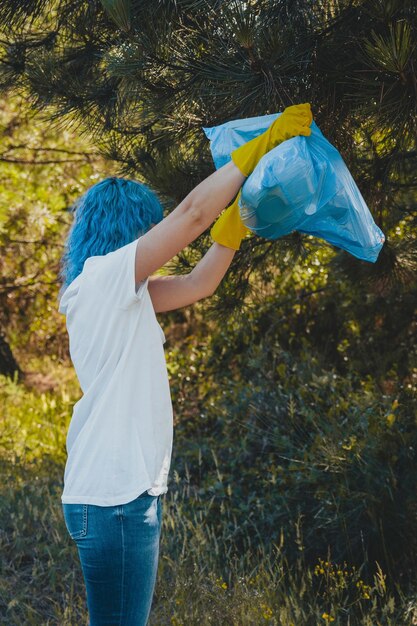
(119, 12)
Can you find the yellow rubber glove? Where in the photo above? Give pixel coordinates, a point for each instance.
(229, 230)
(295, 120)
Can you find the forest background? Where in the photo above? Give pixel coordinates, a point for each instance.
(292, 497)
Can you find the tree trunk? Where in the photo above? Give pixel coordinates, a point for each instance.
(8, 364)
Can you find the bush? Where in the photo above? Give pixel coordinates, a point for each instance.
(287, 447)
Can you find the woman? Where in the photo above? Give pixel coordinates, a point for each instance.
(119, 440)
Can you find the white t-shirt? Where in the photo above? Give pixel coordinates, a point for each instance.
(119, 440)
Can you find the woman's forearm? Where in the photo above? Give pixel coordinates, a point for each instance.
(185, 223)
(214, 193)
(218, 190)
(210, 270)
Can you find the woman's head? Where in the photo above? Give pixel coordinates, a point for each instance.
(109, 215)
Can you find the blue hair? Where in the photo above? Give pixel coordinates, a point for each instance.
(109, 215)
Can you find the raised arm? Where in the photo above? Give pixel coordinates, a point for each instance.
(206, 201)
(190, 218)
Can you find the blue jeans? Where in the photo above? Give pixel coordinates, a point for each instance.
(118, 548)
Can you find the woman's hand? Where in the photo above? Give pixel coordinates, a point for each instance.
(295, 120)
(206, 201)
(229, 230)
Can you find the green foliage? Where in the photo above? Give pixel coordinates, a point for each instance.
(293, 438)
(227, 554)
(119, 11)
(142, 78)
(41, 174)
(294, 387)
(33, 425)
(143, 93)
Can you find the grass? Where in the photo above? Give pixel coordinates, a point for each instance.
(204, 577)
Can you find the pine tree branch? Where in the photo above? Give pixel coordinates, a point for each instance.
(38, 149)
(45, 162)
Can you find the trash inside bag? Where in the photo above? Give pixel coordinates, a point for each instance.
(304, 185)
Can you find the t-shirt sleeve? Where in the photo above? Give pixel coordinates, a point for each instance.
(113, 274)
(69, 296)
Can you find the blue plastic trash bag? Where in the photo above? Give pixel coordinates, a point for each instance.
(303, 184)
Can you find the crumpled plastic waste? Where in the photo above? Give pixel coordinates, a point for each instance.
(301, 185)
